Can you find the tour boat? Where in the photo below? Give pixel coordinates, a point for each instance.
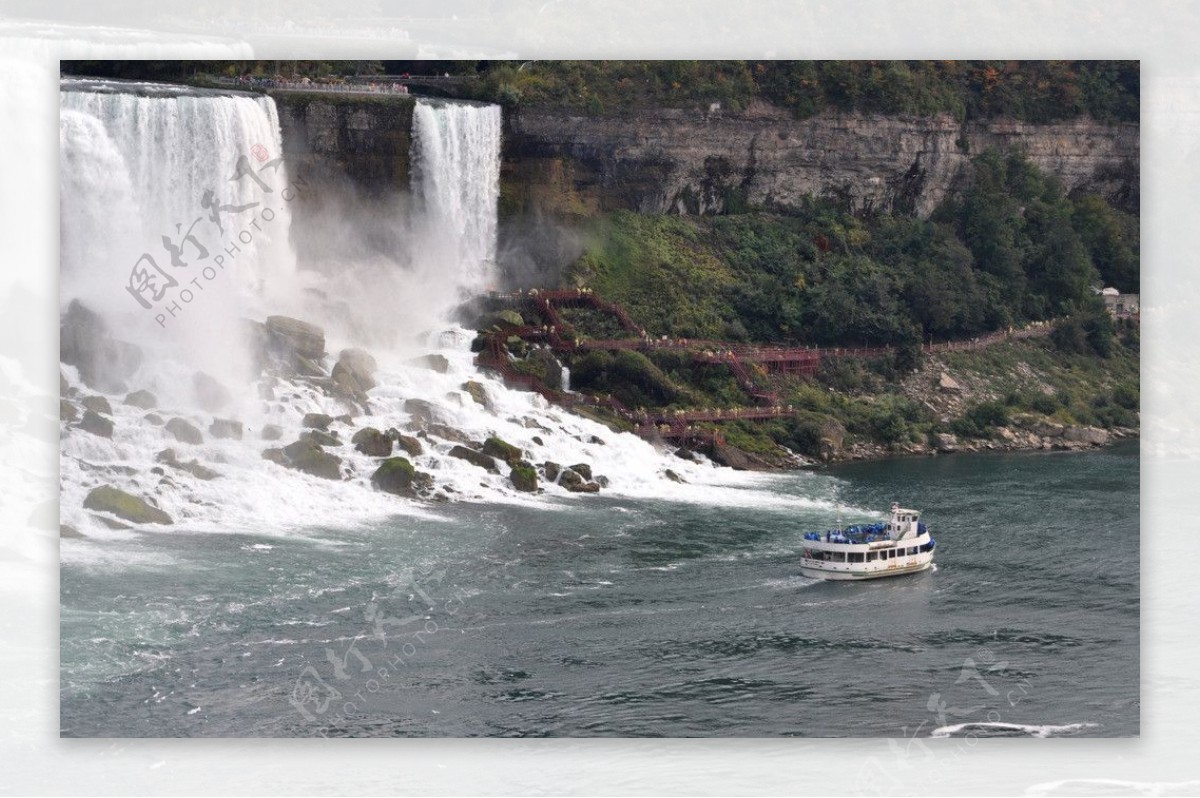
(903, 545)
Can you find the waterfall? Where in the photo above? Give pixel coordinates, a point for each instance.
(144, 163)
(456, 183)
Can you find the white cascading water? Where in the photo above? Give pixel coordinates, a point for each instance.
(132, 165)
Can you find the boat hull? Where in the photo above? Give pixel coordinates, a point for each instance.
(859, 575)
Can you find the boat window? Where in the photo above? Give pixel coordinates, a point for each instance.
(872, 556)
(839, 556)
(912, 550)
(855, 556)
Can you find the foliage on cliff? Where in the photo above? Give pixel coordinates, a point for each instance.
(1035, 91)
(1011, 248)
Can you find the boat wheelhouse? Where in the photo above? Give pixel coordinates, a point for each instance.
(902, 545)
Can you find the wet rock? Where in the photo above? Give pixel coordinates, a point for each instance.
(197, 470)
(290, 336)
(107, 499)
(153, 418)
(596, 440)
(167, 455)
(275, 455)
(502, 450)
(398, 476)
(477, 392)
(475, 458)
(143, 400)
(685, 454)
(111, 523)
(316, 421)
(67, 411)
(307, 456)
(353, 374)
(421, 411)
(271, 432)
(582, 469)
(321, 438)
(97, 404)
(537, 439)
(451, 434)
(586, 487)
(372, 442)
(225, 428)
(434, 362)
(524, 477)
(210, 394)
(96, 424)
(103, 362)
(551, 470)
(68, 531)
(570, 480)
(602, 480)
(184, 432)
(408, 443)
(671, 475)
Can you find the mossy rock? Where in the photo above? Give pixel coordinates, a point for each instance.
(395, 475)
(372, 442)
(475, 458)
(143, 400)
(524, 477)
(184, 432)
(96, 424)
(477, 392)
(307, 456)
(510, 317)
(502, 450)
(107, 499)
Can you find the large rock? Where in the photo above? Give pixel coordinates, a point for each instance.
(107, 499)
(316, 420)
(67, 411)
(96, 424)
(524, 477)
(475, 458)
(551, 469)
(434, 362)
(1092, 436)
(502, 450)
(406, 442)
(396, 475)
(210, 394)
(104, 363)
(372, 442)
(307, 456)
(272, 432)
(422, 411)
(947, 384)
(477, 392)
(583, 469)
(321, 438)
(292, 336)
(945, 442)
(142, 399)
(353, 374)
(184, 432)
(97, 404)
(225, 428)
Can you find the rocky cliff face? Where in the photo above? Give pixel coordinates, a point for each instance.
(693, 162)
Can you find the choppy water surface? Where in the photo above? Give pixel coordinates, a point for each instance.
(603, 615)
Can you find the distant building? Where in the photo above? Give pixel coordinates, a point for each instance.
(1121, 306)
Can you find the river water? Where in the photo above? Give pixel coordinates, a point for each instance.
(621, 616)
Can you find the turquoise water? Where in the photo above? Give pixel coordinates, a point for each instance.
(610, 616)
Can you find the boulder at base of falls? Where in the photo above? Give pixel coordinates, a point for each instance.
(96, 424)
(421, 411)
(291, 339)
(107, 499)
(143, 400)
(372, 442)
(475, 458)
(154, 418)
(524, 477)
(321, 438)
(104, 363)
(184, 432)
(211, 395)
(225, 428)
(671, 475)
(575, 482)
(307, 456)
(434, 362)
(396, 475)
(502, 450)
(477, 392)
(353, 374)
(583, 469)
(316, 421)
(406, 442)
(97, 404)
(551, 469)
(271, 432)
(67, 411)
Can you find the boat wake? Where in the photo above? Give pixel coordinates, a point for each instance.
(998, 729)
